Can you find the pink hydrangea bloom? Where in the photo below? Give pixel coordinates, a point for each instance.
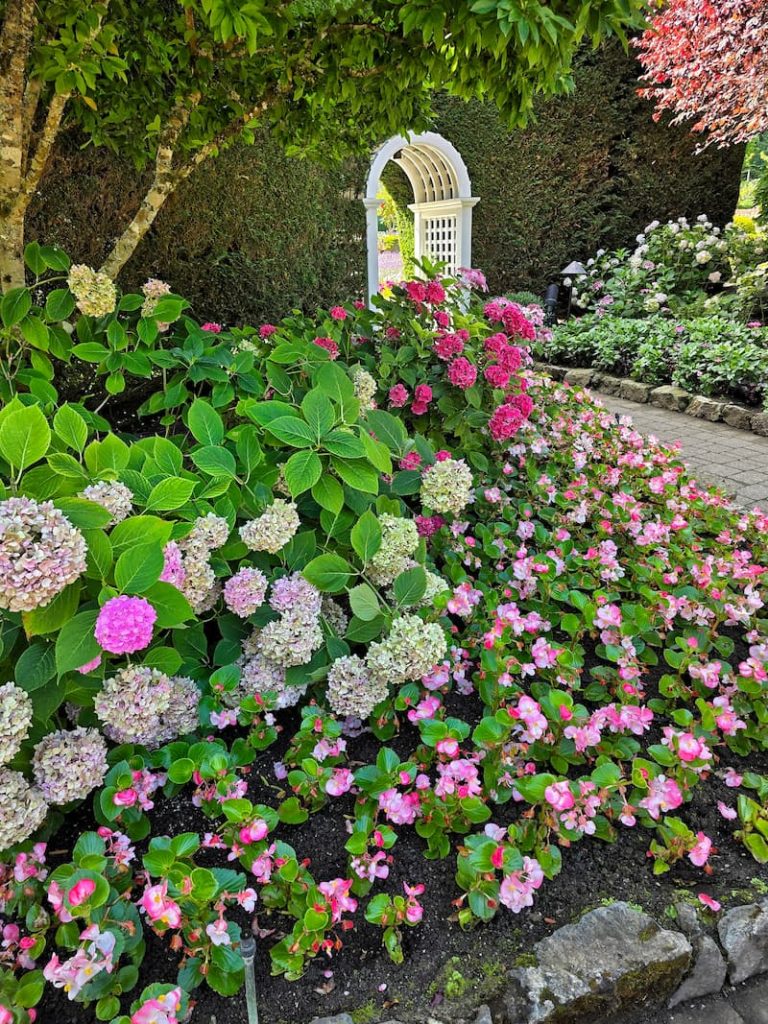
(214, 328)
(447, 346)
(329, 345)
(338, 313)
(462, 374)
(89, 666)
(505, 422)
(124, 624)
(173, 566)
(398, 396)
(245, 591)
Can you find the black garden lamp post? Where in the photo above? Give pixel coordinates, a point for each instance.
(574, 269)
(550, 304)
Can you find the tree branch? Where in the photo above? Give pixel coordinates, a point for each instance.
(39, 159)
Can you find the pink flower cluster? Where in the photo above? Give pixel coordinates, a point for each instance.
(329, 345)
(518, 887)
(124, 624)
(462, 374)
(161, 910)
(431, 292)
(162, 1009)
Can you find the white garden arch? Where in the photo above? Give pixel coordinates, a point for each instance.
(442, 206)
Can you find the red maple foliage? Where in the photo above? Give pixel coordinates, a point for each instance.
(707, 61)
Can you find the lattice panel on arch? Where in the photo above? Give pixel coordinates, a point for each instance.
(441, 240)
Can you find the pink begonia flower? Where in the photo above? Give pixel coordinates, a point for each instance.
(218, 934)
(413, 909)
(709, 901)
(161, 1010)
(559, 796)
(689, 748)
(732, 778)
(448, 746)
(663, 795)
(247, 899)
(398, 396)
(81, 891)
(125, 798)
(340, 782)
(517, 888)
(699, 855)
(254, 832)
(6, 1017)
(224, 719)
(159, 907)
(124, 624)
(727, 812)
(337, 893)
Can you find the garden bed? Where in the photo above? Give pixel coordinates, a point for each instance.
(431, 982)
(383, 638)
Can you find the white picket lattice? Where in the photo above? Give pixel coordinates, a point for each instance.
(440, 240)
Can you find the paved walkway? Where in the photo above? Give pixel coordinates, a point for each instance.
(718, 454)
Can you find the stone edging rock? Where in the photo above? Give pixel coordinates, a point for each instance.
(618, 959)
(668, 396)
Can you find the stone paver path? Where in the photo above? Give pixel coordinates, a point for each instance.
(718, 454)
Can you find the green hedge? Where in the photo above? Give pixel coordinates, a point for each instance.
(254, 234)
(591, 172)
(248, 237)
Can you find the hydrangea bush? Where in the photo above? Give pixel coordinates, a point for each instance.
(387, 518)
(679, 268)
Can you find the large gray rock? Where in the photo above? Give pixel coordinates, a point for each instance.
(484, 1016)
(712, 1012)
(752, 1002)
(551, 370)
(738, 416)
(606, 383)
(708, 974)
(634, 391)
(760, 423)
(743, 935)
(668, 396)
(613, 958)
(687, 918)
(579, 378)
(706, 409)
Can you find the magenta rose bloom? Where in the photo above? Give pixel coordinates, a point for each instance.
(125, 624)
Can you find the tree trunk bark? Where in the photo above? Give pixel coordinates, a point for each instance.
(15, 39)
(12, 250)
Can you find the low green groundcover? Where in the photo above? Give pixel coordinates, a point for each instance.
(372, 531)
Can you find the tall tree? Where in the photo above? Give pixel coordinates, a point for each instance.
(169, 82)
(706, 61)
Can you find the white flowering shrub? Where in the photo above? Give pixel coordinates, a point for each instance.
(677, 268)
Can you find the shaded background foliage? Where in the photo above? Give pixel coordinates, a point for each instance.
(253, 234)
